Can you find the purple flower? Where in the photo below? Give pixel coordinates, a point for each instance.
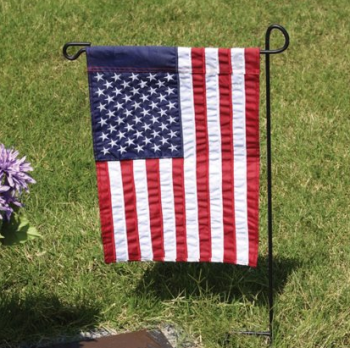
(13, 180)
(4, 203)
(13, 171)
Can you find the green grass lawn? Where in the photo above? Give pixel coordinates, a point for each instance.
(60, 284)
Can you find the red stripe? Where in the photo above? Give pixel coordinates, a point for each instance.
(130, 210)
(202, 148)
(225, 88)
(155, 209)
(252, 58)
(180, 208)
(106, 216)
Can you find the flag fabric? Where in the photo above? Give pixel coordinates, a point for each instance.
(176, 144)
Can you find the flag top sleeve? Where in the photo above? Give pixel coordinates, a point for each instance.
(176, 144)
(132, 58)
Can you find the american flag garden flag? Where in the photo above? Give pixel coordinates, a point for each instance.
(176, 144)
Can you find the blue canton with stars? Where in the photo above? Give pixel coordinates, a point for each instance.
(135, 115)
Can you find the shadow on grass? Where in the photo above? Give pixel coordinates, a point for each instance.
(167, 281)
(38, 317)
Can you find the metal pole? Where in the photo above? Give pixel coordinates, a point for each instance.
(269, 167)
(267, 52)
(269, 184)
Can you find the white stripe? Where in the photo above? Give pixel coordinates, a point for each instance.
(215, 163)
(189, 144)
(118, 211)
(143, 219)
(168, 209)
(240, 155)
(237, 60)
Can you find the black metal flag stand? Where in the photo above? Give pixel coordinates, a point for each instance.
(267, 52)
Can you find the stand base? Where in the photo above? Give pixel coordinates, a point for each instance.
(266, 334)
(254, 333)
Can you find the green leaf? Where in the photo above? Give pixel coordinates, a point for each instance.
(18, 230)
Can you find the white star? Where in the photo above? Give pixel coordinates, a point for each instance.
(172, 134)
(100, 92)
(102, 107)
(152, 77)
(160, 84)
(125, 84)
(126, 98)
(171, 119)
(108, 84)
(163, 126)
(162, 112)
(112, 128)
(144, 98)
(152, 90)
(113, 143)
(130, 141)
(117, 91)
(137, 119)
(102, 122)
(98, 77)
(143, 84)
(161, 97)
(119, 120)
(129, 127)
(118, 106)
(121, 135)
(138, 134)
(170, 90)
(127, 112)
(139, 148)
(135, 91)
(164, 140)
(105, 151)
(153, 105)
(155, 133)
(103, 136)
(169, 77)
(146, 127)
(147, 141)
(156, 147)
(154, 119)
(136, 105)
(116, 77)
(145, 112)
(110, 113)
(173, 147)
(109, 99)
(171, 105)
(134, 77)
(122, 149)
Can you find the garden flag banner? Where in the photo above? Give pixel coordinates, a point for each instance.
(176, 144)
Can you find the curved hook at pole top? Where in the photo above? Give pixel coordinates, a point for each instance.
(74, 44)
(267, 39)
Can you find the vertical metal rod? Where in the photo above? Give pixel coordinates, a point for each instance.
(269, 183)
(267, 52)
